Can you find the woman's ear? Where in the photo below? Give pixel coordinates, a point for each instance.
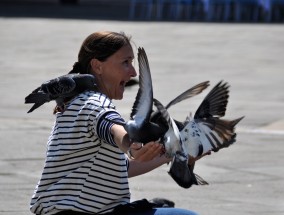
(96, 66)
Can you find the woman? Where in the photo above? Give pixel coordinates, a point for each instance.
(86, 170)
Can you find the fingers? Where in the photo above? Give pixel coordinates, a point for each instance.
(136, 146)
(146, 152)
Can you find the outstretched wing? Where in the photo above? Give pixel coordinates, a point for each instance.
(195, 90)
(142, 106)
(188, 93)
(217, 133)
(215, 103)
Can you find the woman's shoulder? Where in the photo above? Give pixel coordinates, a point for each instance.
(93, 98)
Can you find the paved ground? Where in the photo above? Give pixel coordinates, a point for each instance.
(247, 178)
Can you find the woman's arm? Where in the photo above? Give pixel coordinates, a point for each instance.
(138, 168)
(120, 137)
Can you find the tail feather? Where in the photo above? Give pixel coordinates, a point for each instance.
(200, 181)
(35, 106)
(236, 121)
(38, 97)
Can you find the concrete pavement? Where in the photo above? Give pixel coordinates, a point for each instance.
(247, 178)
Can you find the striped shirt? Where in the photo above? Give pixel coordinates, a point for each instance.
(84, 169)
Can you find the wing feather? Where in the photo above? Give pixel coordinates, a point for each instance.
(60, 86)
(219, 133)
(195, 90)
(215, 103)
(142, 106)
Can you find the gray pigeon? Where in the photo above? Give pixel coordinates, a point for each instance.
(61, 89)
(195, 137)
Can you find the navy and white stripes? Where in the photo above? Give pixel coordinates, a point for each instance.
(84, 169)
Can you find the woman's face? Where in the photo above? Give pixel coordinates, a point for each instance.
(115, 72)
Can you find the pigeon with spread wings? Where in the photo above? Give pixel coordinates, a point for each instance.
(195, 137)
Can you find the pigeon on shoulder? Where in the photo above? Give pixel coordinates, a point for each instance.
(61, 89)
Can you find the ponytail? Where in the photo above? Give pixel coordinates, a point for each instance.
(77, 68)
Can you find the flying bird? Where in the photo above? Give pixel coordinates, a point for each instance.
(196, 137)
(61, 89)
(207, 131)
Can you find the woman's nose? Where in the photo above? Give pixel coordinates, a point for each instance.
(133, 72)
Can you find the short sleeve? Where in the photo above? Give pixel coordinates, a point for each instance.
(104, 126)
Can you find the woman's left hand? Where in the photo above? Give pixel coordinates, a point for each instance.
(145, 152)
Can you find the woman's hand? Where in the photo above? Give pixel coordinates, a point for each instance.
(145, 152)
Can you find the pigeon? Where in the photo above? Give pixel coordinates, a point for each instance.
(61, 89)
(195, 137)
(207, 131)
(141, 128)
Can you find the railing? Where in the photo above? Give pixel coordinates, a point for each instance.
(208, 10)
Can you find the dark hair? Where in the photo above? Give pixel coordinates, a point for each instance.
(99, 45)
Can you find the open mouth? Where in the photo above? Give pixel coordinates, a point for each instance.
(123, 83)
(132, 82)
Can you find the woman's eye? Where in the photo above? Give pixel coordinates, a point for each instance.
(127, 62)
